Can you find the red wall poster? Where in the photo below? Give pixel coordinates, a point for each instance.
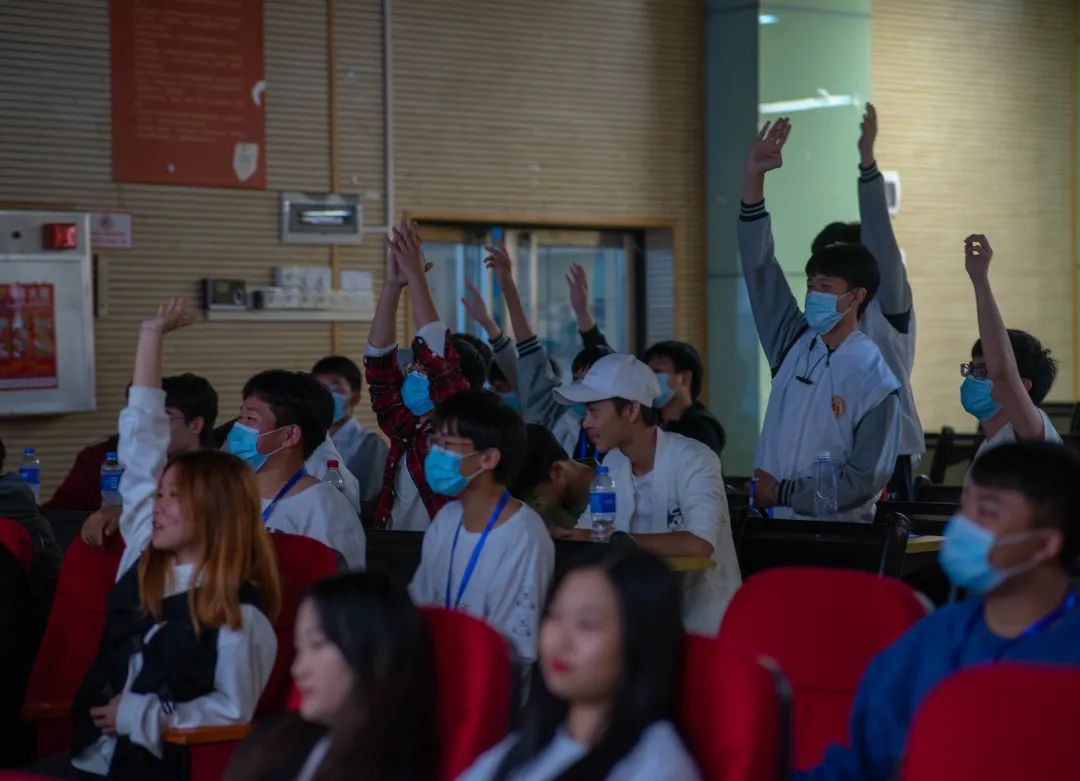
(188, 92)
(27, 336)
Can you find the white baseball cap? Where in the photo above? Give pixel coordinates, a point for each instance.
(613, 376)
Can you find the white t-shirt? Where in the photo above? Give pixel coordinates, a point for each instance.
(658, 756)
(1008, 434)
(322, 513)
(510, 581)
(643, 503)
(245, 657)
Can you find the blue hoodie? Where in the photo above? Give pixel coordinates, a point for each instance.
(903, 674)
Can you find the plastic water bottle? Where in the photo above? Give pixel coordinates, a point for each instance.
(30, 472)
(333, 476)
(602, 505)
(111, 472)
(825, 487)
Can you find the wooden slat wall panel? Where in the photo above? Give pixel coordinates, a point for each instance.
(559, 109)
(977, 101)
(555, 109)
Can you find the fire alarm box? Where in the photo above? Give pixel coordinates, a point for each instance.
(46, 316)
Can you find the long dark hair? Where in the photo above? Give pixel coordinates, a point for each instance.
(388, 730)
(652, 648)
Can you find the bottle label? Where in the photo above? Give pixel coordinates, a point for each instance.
(110, 483)
(602, 504)
(31, 476)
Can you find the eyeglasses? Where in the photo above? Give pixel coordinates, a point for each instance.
(971, 370)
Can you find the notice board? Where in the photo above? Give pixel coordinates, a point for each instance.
(188, 92)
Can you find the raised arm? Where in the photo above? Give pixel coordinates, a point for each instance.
(776, 312)
(383, 333)
(501, 345)
(997, 349)
(876, 233)
(144, 431)
(578, 282)
(498, 260)
(407, 248)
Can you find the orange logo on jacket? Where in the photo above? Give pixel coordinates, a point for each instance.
(839, 406)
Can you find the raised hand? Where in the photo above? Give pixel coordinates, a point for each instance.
(868, 135)
(394, 277)
(498, 260)
(977, 255)
(478, 311)
(408, 251)
(578, 282)
(171, 315)
(766, 153)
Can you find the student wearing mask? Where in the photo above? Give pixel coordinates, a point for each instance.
(889, 318)
(192, 405)
(669, 491)
(282, 421)
(366, 677)
(678, 368)
(832, 390)
(171, 656)
(318, 463)
(485, 553)
(537, 380)
(404, 401)
(610, 659)
(1008, 548)
(550, 482)
(1010, 373)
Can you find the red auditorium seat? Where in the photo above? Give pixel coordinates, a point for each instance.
(17, 540)
(735, 713)
(822, 626)
(475, 684)
(997, 722)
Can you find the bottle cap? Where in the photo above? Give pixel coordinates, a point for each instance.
(601, 470)
(28, 452)
(110, 456)
(824, 455)
(331, 464)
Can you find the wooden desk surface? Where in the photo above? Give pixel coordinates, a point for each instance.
(924, 543)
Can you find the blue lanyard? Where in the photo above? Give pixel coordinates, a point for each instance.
(467, 575)
(284, 490)
(1043, 623)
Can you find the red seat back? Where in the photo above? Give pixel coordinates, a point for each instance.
(997, 722)
(822, 626)
(734, 713)
(474, 680)
(72, 634)
(301, 562)
(17, 540)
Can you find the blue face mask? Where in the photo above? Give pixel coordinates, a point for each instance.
(442, 469)
(821, 314)
(512, 400)
(243, 442)
(339, 405)
(976, 400)
(416, 393)
(667, 393)
(965, 555)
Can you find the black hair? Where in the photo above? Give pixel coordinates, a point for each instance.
(389, 728)
(496, 375)
(542, 450)
(652, 651)
(1047, 475)
(343, 367)
(686, 359)
(1032, 361)
(649, 416)
(853, 263)
(490, 423)
(296, 399)
(584, 360)
(195, 397)
(470, 361)
(3, 455)
(482, 347)
(837, 233)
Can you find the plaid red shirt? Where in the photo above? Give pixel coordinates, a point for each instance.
(408, 434)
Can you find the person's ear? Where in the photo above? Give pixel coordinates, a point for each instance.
(490, 458)
(1053, 543)
(197, 425)
(1027, 384)
(632, 412)
(292, 436)
(858, 296)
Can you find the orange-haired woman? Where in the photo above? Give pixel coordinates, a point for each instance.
(188, 640)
